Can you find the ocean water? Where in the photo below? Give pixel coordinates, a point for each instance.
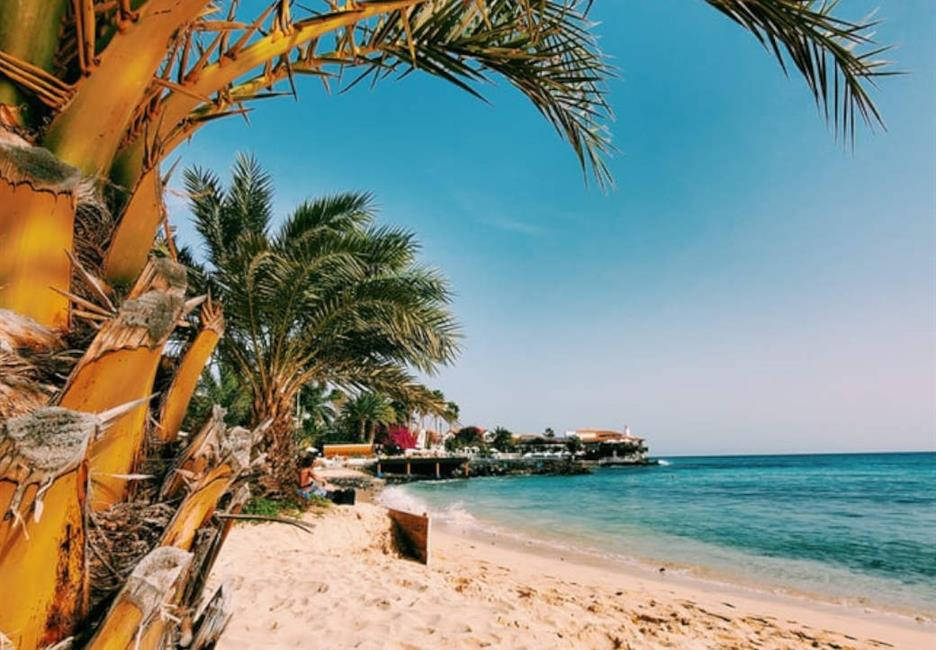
(853, 528)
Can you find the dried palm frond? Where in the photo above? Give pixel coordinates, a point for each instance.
(119, 537)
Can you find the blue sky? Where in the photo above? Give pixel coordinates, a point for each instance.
(748, 286)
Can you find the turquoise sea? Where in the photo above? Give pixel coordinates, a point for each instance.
(854, 528)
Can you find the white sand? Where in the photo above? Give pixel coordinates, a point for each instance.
(345, 587)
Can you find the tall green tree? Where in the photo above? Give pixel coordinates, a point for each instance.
(328, 296)
(317, 409)
(503, 439)
(368, 411)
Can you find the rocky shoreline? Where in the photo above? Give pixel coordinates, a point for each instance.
(525, 467)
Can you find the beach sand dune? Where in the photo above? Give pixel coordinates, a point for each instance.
(346, 587)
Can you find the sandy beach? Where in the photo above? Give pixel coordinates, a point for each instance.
(345, 586)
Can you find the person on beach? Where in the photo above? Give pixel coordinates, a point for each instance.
(310, 484)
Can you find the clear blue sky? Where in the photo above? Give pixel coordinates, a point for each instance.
(747, 287)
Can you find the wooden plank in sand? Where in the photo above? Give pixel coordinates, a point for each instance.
(412, 533)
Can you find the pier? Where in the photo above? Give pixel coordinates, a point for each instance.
(422, 467)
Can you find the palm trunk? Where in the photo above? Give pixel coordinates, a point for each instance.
(230, 457)
(30, 32)
(43, 490)
(133, 238)
(43, 538)
(120, 366)
(275, 417)
(136, 620)
(87, 132)
(39, 197)
(186, 376)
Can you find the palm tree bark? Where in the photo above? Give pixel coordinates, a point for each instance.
(283, 454)
(186, 375)
(38, 195)
(230, 458)
(43, 493)
(135, 619)
(120, 366)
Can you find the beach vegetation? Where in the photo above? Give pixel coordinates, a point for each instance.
(327, 297)
(503, 440)
(284, 506)
(466, 437)
(367, 412)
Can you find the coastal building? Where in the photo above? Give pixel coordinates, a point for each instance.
(537, 443)
(610, 447)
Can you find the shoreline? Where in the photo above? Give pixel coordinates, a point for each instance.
(808, 606)
(693, 575)
(345, 586)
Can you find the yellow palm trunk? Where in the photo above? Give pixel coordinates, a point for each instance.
(223, 459)
(120, 367)
(135, 620)
(194, 460)
(43, 486)
(176, 108)
(38, 196)
(87, 131)
(133, 238)
(186, 377)
(198, 507)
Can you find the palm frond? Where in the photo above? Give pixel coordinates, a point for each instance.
(544, 48)
(327, 298)
(837, 58)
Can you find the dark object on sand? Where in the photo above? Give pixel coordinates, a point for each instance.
(342, 497)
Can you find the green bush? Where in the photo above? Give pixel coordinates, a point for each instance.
(288, 507)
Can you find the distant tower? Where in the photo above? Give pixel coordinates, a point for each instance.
(626, 430)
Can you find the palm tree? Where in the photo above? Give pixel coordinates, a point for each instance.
(450, 414)
(94, 96)
(367, 412)
(317, 408)
(503, 439)
(326, 297)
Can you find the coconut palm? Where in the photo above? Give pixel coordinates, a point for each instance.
(94, 95)
(326, 297)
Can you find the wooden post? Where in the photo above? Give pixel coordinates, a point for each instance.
(407, 468)
(438, 472)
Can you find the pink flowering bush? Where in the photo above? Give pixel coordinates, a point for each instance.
(402, 437)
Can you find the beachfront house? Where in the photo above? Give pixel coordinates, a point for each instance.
(536, 444)
(608, 446)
